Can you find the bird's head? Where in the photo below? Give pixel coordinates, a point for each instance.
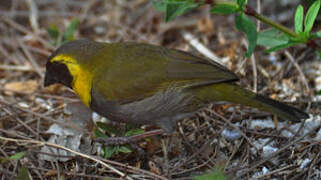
(65, 63)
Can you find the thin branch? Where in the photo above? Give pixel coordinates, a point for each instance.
(235, 127)
(251, 12)
(258, 8)
(26, 31)
(31, 59)
(254, 69)
(41, 143)
(33, 15)
(192, 40)
(273, 155)
(303, 78)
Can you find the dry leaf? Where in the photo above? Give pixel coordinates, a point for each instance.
(54, 88)
(27, 87)
(51, 173)
(205, 25)
(138, 164)
(153, 167)
(153, 145)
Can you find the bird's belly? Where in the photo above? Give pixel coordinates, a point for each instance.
(162, 109)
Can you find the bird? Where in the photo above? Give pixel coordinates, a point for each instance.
(144, 84)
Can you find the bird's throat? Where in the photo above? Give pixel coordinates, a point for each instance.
(81, 84)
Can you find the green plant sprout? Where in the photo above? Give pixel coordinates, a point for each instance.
(217, 174)
(67, 35)
(109, 151)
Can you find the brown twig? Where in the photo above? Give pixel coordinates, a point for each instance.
(128, 139)
(26, 31)
(31, 59)
(41, 143)
(296, 65)
(235, 127)
(255, 165)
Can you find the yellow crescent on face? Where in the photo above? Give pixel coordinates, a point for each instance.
(82, 78)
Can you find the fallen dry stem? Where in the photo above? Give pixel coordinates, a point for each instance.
(252, 167)
(41, 143)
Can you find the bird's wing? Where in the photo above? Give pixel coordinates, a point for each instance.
(188, 66)
(141, 70)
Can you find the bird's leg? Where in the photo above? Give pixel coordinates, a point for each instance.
(128, 139)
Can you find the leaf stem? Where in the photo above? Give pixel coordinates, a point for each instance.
(251, 12)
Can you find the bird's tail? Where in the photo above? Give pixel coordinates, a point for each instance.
(235, 94)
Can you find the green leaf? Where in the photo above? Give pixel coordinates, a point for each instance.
(178, 7)
(311, 16)
(134, 132)
(53, 32)
(110, 151)
(271, 37)
(3, 160)
(319, 54)
(245, 25)
(124, 149)
(159, 5)
(107, 128)
(298, 20)
(23, 174)
(217, 175)
(241, 3)
(99, 133)
(315, 35)
(282, 46)
(17, 156)
(70, 31)
(173, 8)
(319, 93)
(225, 8)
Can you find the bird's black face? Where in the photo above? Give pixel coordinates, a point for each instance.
(57, 72)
